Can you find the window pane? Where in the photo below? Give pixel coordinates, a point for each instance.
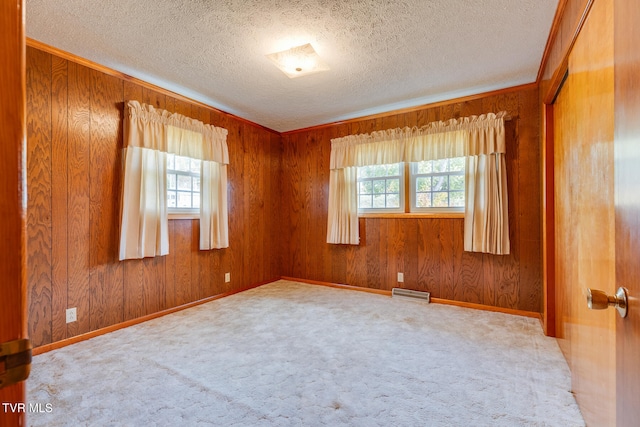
(440, 183)
(376, 183)
(393, 201)
(456, 198)
(393, 186)
(375, 171)
(378, 187)
(441, 200)
(423, 200)
(184, 199)
(171, 181)
(171, 199)
(379, 201)
(184, 182)
(393, 169)
(456, 164)
(183, 163)
(365, 187)
(423, 184)
(364, 172)
(440, 165)
(425, 166)
(456, 182)
(195, 165)
(365, 202)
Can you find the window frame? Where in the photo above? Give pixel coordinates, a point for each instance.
(178, 212)
(401, 191)
(408, 197)
(414, 175)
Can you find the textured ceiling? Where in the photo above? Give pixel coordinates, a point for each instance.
(383, 54)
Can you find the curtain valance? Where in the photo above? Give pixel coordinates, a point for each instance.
(174, 133)
(467, 136)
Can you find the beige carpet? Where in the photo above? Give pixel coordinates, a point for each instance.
(290, 354)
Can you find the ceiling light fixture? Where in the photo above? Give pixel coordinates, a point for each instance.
(298, 61)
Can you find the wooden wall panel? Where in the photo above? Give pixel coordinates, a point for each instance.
(75, 144)
(427, 250)
(39, 195)
(78, 190)
(106, 274)
(564, 38)
(59, 198)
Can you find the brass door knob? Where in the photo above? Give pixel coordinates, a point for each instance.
(598, 300)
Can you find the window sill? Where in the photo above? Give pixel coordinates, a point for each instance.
(183, 216)
(410, 215)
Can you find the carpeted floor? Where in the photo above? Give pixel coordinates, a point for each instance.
(290, 354)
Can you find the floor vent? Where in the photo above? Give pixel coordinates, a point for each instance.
(408, 293)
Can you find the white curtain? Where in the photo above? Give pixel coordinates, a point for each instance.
(479, 138)
(149, 135)
(486, 216)
(214, 222)
(343, 206)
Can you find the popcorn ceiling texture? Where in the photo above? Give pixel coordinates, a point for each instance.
(383, 54)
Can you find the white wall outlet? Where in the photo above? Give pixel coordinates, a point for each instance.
(71, 315)
(227, 277)
(400, 277)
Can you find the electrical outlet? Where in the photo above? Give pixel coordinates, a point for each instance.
(400, 277)
(227, 277)
(71, 315)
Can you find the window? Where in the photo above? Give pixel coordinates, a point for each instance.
(435, 186)
(183, 184)
(381, 188)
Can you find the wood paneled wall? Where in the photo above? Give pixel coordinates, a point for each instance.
(572, 13)
(428, 251)
(74, 173)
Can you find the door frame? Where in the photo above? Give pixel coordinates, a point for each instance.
(13, 295)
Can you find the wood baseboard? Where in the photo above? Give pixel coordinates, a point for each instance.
(524, 313)
(338, 285)
(83, 337)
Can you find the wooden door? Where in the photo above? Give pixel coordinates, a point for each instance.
(627, 206)
(585, 216)
(12, 196)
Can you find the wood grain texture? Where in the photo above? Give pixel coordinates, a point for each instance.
(565, 25)
(78, 213)
(584, 207)
(13, 134)
(59, 198)
(427, 250)
(39, 195)
(106, 275)
(627, 227)
(78, 147)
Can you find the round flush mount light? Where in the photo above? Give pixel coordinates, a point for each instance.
(298, 61)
